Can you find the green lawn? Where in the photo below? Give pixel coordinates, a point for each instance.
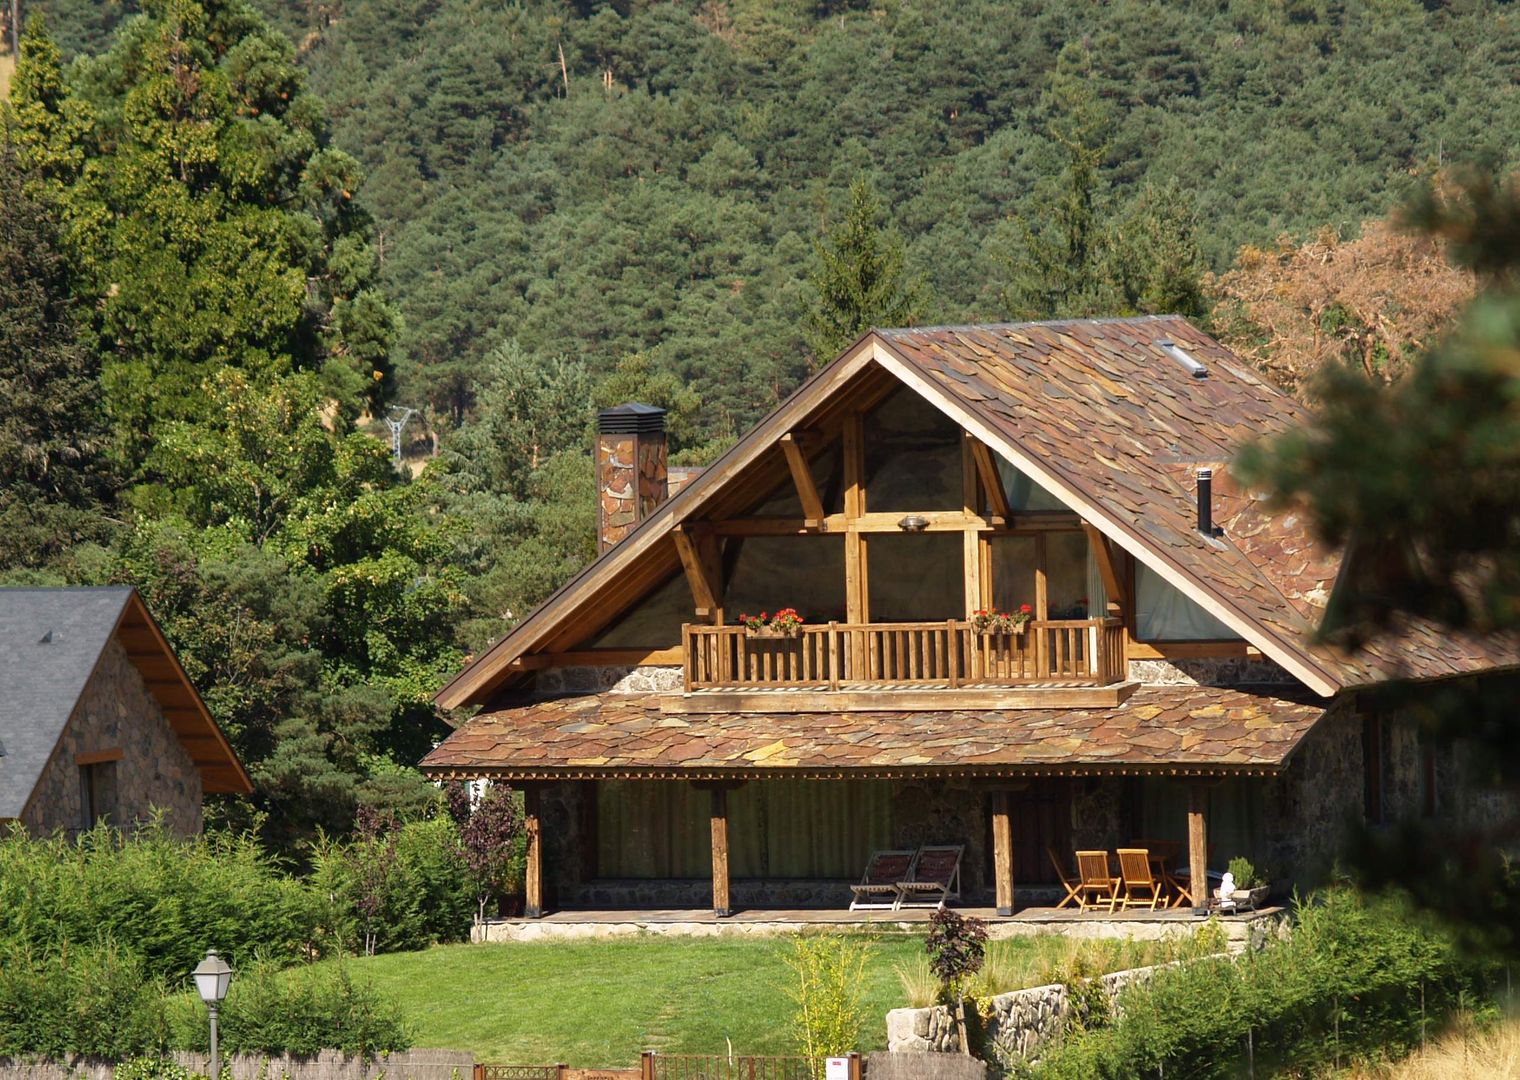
(599, 1003)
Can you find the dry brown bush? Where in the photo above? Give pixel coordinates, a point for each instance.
(1373, 301)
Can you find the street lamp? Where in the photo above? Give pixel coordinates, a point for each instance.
(211, 978)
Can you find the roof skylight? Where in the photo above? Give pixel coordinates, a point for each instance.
(1177, 353)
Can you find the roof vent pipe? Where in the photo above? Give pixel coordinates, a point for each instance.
(1206, 501)
(1177, 353)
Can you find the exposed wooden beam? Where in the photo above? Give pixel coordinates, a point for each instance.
(719, 819)
(1198, 848)
(802, 477)
(706, 592)
(533, 874)
(1002, 853)
(99, 757)
(938, 521)
(600, 658)
(992, 483)
(1108, 568)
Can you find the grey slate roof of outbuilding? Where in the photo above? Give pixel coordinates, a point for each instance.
(50, 641)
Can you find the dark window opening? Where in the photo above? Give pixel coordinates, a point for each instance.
(97, 789)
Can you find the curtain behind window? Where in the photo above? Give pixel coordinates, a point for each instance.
(776, 828)
(1164, 614)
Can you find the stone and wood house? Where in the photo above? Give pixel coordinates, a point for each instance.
(1170, 686)
(98, 720)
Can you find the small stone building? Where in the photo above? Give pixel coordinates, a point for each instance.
(98, 720)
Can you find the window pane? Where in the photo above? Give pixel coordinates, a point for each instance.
(912, 456)
(770, 572)
(654, 622)
(1066, 575)
(1164, 614)
(1023, 493)
(1013, 566)
(916, 576)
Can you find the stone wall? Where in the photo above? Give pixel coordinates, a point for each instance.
(1020, 1022)
(1210, 671)
(904, 1066)
(618, 680)
(117, 712)
(327, 1065)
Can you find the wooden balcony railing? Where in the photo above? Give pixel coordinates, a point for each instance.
(916, 655)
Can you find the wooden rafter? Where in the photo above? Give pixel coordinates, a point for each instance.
(1108, 566)
(706, 588)
(992, 483)
(802, 477)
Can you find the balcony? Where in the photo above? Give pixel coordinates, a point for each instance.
(1053, 663)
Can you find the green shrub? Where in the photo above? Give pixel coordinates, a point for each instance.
(828, 990)
(296, 1011)
(167, 898)
(152, 1068)
(1246, 874)
(1354, 979)
(95, 1001)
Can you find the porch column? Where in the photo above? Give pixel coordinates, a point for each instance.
(1198, 849)
(721, 906)
(1002, 853)
(533, 877)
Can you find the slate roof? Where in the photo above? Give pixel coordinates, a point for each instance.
(1104, 407)
(40, 680)
(50, 641)
(1191, 729)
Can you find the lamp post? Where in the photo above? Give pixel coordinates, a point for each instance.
(211, 978)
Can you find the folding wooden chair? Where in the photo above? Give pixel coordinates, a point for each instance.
(878, 889)
(1092, 868)
(936, 877)
(1141, 887)
(1070, 884)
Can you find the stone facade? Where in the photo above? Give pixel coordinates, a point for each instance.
(116, 712)
(602, 679)
(1210, 671)
(632, 480)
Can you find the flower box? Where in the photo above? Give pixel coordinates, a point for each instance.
(768, 632)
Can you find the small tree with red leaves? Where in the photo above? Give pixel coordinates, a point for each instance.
(957, 946)
(490, 837)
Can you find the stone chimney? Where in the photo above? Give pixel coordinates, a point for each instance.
(632, 477)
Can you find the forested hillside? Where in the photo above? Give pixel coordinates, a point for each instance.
(597, 180)
(230, 241)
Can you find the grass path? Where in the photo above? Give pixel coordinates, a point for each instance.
(599, 1003)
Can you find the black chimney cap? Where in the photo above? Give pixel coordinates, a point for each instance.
(631, 419)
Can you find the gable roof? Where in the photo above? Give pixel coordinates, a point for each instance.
(1101, 414)
(51, 641)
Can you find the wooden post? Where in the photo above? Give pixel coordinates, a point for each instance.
(480, 1071)
(1002, 853)
(1198, 857)
(646, 1065)
(533, 883)
(855, 1065)
(721, 906)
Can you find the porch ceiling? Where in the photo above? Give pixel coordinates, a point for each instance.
(1191, 730)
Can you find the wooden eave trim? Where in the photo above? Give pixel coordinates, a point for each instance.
(99, 757)
(1322, 682)
(144, 620)
(475, 684)
(864, 772)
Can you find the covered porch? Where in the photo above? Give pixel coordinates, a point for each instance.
(634, 809)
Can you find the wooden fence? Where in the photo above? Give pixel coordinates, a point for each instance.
(952, 654)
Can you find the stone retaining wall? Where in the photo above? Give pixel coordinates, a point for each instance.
(1022, 1021)
(327, 1065)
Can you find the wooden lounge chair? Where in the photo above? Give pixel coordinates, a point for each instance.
(1097, 884)
(1070, 884)
(878, 889)
(1141, 887)
(936, 877)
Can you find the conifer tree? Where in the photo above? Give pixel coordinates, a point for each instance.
(53, 480)
(861, 282)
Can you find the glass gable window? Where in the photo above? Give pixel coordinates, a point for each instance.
(915, 577)
(1164, 614)
(912, 456)
(654, 622)
(1022, 492)
(770, 572)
